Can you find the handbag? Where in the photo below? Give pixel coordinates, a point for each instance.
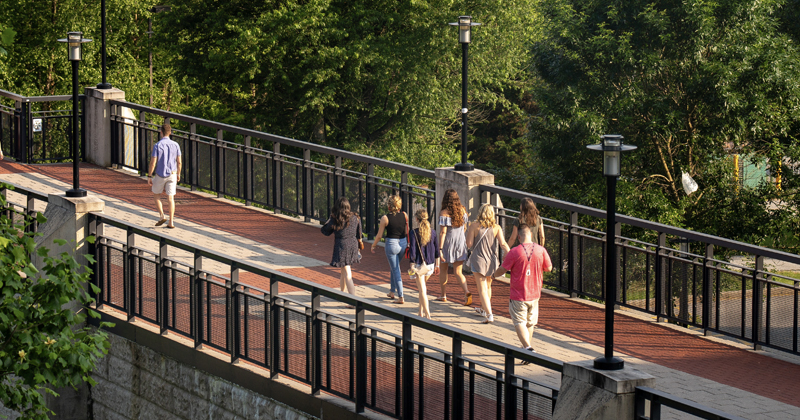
(420, 269)
(360, 244)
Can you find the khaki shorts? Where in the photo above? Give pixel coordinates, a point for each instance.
(524, 312)
(168, 184)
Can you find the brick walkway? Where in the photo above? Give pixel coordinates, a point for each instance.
(754, 372)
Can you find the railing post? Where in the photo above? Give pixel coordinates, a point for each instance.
(308, 186)
(371, 204)
(708, 288)
(408, 371)
(661, 250)
(274, 329)
(197, 301)
(220, 161)
(248, 171)
(114, 146)
(458, 378)
(142, 143)
(130, 279)
(162, 282)
(640, 412)
(361, 358)
(277, 178)
(572, 254)
(316, 342)
(757, 301)
(192, 146)
(509, 387)
(234, 330)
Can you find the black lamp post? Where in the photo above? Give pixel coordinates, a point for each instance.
(104, 84)
(464, 24)
(74, 41)
(612, 149)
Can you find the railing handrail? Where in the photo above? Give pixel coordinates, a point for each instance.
(20, 98)
(682, 404)
(27, 191)
(646, 224)
(433, 326)
(279, 139)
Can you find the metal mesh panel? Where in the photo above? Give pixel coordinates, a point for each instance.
(682, 289)
(637, 268)
(591, 266)
(146, 288)
(291, 183)
(533, 405)
(431, 390)
(337, 370)
(179, 317)
(778, 320)
(261, 180)
(734, 306)
(355, 193)
(54, 142)
(205, 167)
(234, 182)
(383, 378)
(555, 242)
(294, 343)
(322, 183)
(114, 288)
(481, 396)
(216, 316)
(254, 324)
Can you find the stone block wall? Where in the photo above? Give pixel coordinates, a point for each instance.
(135, 382)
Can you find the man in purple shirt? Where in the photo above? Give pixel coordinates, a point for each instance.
(165, 160)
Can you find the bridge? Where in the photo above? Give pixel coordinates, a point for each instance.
(244, 281)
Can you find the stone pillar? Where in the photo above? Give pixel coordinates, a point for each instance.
(466, 185)
(97, 123)
(590, 394)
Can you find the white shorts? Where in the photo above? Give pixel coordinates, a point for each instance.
(524, 312)
(168, 184)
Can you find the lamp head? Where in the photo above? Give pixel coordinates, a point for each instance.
(612, 148)
(464, 24)
(74, 41)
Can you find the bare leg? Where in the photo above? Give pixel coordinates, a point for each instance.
(457, 266)
(443, 280)
(486, 302)
(424, 309)
(489, 288)
(523, 334)
(171, 199)
(342, 277)
(348, 280)
(159, 207)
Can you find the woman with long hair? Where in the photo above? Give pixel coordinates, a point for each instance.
(424, 256)
(396, 225)
(528, 215)
(346, 227)
(452, 242)
(483, 237)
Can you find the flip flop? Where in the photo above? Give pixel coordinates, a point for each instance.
(441, 299)
(468, 300)
(161, 222)
(489, 319)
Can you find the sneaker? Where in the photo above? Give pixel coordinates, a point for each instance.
(525, 362)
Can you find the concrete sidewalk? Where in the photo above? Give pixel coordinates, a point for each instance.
(716, 372)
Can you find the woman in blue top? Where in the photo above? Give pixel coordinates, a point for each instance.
(424, 255)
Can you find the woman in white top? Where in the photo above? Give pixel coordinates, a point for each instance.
(483, 237)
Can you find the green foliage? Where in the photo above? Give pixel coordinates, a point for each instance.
(6, 38)
(44, 343)
(689, 83)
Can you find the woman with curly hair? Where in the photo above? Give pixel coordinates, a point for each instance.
(346, 227)
(424, 256)
(483, 237)
(528, 215)
(452, 242)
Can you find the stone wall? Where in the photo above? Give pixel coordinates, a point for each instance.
(135, 382)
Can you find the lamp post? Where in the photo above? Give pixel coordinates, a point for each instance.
(74, 41)
(612, 149)
(464, 24)
(104, 84)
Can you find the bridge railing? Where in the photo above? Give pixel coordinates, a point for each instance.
(38, 129)
(283, 174)
(742, 299)
(277, 321)
(683, 406)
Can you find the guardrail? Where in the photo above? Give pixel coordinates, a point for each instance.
(658, 399)
(38, 136)
(284, 174)
(742, 300)
(291, 335)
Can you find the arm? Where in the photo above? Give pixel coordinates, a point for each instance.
(180, 165)
(412, 246)
(359, 232)
(436, 254)
(498, 233)
(513, 239)
(499, 272)
(547, 265)
(152, 168)
(327, 228)
(541, 232)
(381, 226)
(475, 226)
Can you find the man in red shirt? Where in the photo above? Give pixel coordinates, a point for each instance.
(527, 263)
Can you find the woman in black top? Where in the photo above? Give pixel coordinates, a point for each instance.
(396, 225)
(346, 227)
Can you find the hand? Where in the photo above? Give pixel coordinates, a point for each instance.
(372, 248)
(1, 155)
(436, 270)
(149, 181)
(442, 258)
(179, 178)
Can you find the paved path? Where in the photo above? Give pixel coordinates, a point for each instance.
(716, 372)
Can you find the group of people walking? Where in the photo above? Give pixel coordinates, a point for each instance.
(456, 243)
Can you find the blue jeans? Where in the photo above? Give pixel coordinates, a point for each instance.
(394, 251)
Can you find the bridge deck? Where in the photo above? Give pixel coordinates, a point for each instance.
(713, 371)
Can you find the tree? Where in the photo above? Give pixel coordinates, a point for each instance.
(44, 343)
(690, 83)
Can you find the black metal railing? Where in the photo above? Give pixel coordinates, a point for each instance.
(31, 131)
(280, 173)
(680, 406)
(666, 278)
(244, 314)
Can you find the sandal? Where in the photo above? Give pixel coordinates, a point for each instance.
(489, 319)
(441, 299)
(161, 222)
(480, 312)
(468, 299)
(390, 295)
(399, 301)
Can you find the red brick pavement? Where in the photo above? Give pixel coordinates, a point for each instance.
(751, 372)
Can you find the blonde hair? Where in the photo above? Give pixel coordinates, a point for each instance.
(486, 215)
(424, 227)
(395, 203)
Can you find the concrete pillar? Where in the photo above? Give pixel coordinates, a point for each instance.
(466, 185)
(590, 394)
(98, 124)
